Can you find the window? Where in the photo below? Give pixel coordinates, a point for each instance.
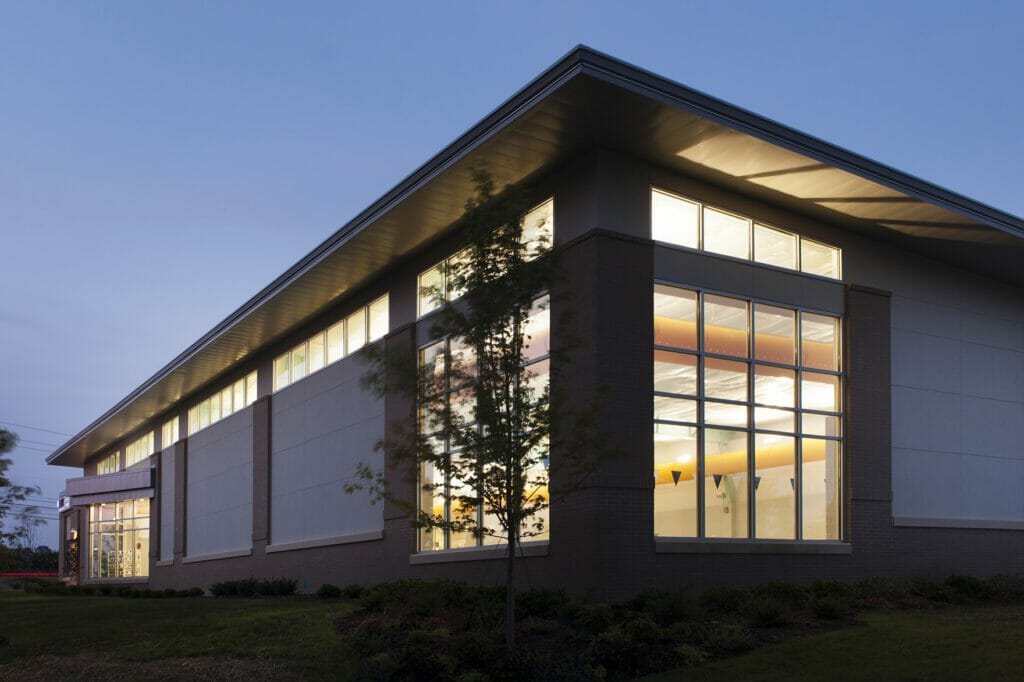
(139, 450)
(110, 464)
(434, 284)
(438, 360)
(747, 419)
(236, 397)
(684, 222)
(365, 325)
(119, 539)
(169, 432)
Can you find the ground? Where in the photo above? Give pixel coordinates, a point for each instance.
(58, 637)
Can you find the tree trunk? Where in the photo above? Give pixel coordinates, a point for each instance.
(510, 594)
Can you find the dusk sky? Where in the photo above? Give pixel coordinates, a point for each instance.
(159, 164)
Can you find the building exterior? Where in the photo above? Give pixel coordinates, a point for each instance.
(820, 359)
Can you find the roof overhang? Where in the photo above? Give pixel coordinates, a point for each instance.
(585, 100)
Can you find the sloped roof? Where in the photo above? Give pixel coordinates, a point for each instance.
(584, 100)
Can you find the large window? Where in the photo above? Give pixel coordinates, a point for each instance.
(234, 398)
(138, 450)
(110, 464)
(365, 325)
(538, 231)
(169, 433)
(685, 222)
(437, 359)
(119, 539)
(747, 419)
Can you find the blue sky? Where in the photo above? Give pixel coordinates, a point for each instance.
(142, 144)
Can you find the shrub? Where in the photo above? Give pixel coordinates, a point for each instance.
(788, 594)
(539, 626)
(196, 592)
(352, 591)
(969, 586)
(328, 591)
(931, 590)
(881, 591)
(88, 590)
(828, 607)
(182, 593)
(594, 618)
(1007, 587)
(766, 612)
(74, 589)
(832, 588)
(625, 647)
(4, 641)
(690, 655)
(123, 591)
(32, 587)
(135, 594)
(281, 587)
(106, 590)
(729, 638)
(540, 602)
(665, 606)
(170, 592)
(723, 599)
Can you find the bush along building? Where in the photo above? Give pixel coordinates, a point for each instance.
(812, 364)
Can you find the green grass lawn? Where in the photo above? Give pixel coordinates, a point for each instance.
(283, 634)
(954, 643)
(53, 637)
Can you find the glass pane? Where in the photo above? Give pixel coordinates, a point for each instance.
(819, 259)
(281, 376)
(725, 484)
(726, 414)
(774, 487)
(726, 234)
(316, 351)
(193, 420)
(774, 386)
(250, 388)
(675, 372)
(432, 363)
(675, 317)
(537, 330)
(774, 420)
(675, 488)
(675, 409)
(239, 399)
(227, 406)
(538, 228)
(355, 330)
(379, 318)
(214, 402)
(819, 392)
(725, 379)
(819, 346)
(204, 414)
(431, 501)
(674, 220)
(336, 342)
(774, 334)
(431, 289)
(461, 510)
(457, 266)
(538, 379)
(298, 362)
(725, 326)
(820, 478)
(774, 247)
(820, 424)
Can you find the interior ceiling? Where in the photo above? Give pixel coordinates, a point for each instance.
(586, 100)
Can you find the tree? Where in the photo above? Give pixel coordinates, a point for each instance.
(487, 419)
(13, 505)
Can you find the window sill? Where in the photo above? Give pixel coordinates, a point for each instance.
(135, 580)
(979, 524)
(165, 562)
(723, 546)
(327, 542)
(441, 556)
(219, 555)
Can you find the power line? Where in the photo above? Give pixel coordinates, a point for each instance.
(29, 447)
(37, 442)
(35, 428)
